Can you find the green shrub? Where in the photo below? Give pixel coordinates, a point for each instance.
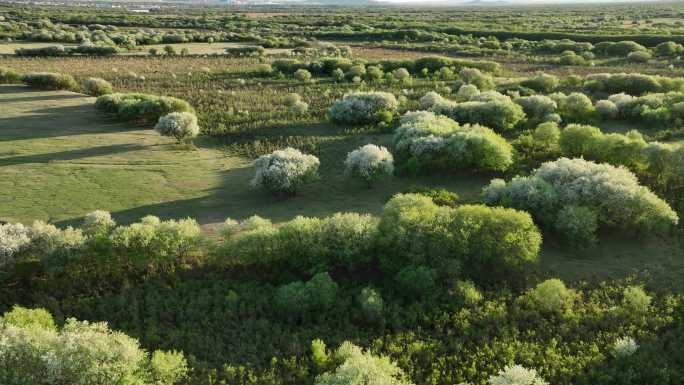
(416, 281)
(552, 296)
(9, 76)
(141, 107)
(298, 298)
(50, 81)
(364, 108)
(357, 367)
(371, 303)
(97, 87)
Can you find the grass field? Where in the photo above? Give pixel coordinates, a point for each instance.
(60, 158)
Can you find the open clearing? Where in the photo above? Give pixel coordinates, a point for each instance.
(60, 158)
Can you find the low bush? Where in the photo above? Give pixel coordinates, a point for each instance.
(632, 83)
(516, 375)
(475, 77)
(180, 125)
(9, 76)
(371, 303)
(97, 87)
(141, 107)
(542, 82)
(250, 51)
(50, 81)
(592, 144)
(284, 172)
(551, 296)
(364, 108)
(575, 107)
(369, 163)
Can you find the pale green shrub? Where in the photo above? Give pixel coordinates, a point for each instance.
(180, 125)
(369, 163)
(552, 296)
(358, 367)
(364, 108)
(97, 87)
(516, 375)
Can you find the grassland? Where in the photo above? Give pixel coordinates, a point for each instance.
(61, 159)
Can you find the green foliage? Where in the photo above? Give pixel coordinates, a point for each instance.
(9, 76)
(359, 367)
(141, 107)
(371, 303)
(552, 296)
(416, 281)
(97, 87)
(297, 298)
(21, 317)
(50, 81)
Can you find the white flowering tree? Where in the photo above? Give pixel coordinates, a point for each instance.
(34, 351)
(439, 143)
(180, 125)
(359, 367)
(283, 172)
(369, 163)
(364, 108)
(516, 375)
(612, 193)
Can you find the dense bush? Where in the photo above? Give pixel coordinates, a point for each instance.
(632, 83)
(542, 82)
(439, 143)
(358, 367)
(80, 352)
(475, 77)
(575, 107)
(552, 296)
(369, 163)
(538, 108)
(141, 107)
(284, 172)
(308, 244)
(613, 193)
(245, 51)
(50, 81)
(9, 76)
(297, 298)
(97, 87)
(592, 144)
(491, 110)
(180, 125)
(364, 108)
(415, 231)
(516, 375)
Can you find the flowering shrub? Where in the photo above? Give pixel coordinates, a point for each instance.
(613, 193)
(97, 87)
(14, 239)
(283, 172)
(576, 107)
(302, 75)
(538, 108)
(180, 125)
(79, 353)
(141, 107)
(542, 83)
(358, 367)
(477, 78)
(488, 109)
(97, 222)
(606, 109)
(516, 375)
(364, 108)
(439, 143)
(624, 347)
(369, 163)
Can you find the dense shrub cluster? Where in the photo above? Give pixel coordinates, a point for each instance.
(34, 351)
(283, 172)
(590, 143)
(659, 108)
(245, 51)
(633, 83)
(50, 81)
(364, 108)
(141, 107)
(484, 242)
(429, 142)
(613, 194)
(9, 76)
(489, 109)
(297, 298)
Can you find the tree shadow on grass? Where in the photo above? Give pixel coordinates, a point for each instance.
(60, 121)
(72, 154)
